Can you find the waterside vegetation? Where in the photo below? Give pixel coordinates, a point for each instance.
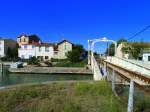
(62, 97)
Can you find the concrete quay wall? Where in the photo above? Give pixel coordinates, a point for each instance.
(51, 70)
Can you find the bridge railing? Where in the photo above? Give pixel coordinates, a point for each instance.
(96, 69)
(129, 65)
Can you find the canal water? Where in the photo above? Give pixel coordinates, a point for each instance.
(7, 78)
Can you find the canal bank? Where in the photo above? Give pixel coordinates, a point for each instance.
(10, 79)
(50, 70)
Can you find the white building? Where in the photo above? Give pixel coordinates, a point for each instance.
(27, 46)
(26, 51)
(30, 46)
(119, 52)
(44, 51)
(6, 44)
(146, 55)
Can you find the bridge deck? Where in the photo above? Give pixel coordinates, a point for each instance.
(131, 69)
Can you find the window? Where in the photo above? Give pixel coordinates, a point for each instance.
(41, 58)
(148, 58)
(46, 49)
(22, 56)
(33, 46)
(55, 53)
(46, 57)
(25, 46)
(38, 57)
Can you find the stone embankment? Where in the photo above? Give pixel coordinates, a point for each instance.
(51, 70)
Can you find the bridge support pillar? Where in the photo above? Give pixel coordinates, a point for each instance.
(105, 70)
(1, 68)
(131, 95)
(113, 80)
(89, 52)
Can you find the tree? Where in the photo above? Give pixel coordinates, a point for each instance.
(135, 49)
(12, 53)
(33, 61)
(77, 54)
(74, 56)
(111, 49)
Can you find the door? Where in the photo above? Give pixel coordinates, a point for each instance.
(148, 58)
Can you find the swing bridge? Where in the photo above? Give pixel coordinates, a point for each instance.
(118, 70)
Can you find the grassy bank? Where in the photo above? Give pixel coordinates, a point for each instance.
(141, 98)
(61, 97)
(69, 64)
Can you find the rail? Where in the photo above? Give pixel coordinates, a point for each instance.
(96, 69)
(144, 71)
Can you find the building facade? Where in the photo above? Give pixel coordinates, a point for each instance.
(44, 51)
(146, 55)
(27, 46)
(28, 39)
(32, 46)
(120, 53)
(26, 51)
(62, 48)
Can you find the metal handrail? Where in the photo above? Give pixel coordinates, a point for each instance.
(132, 62)
(96, 69)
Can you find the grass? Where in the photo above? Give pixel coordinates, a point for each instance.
(70, 97)
(62, 97)
(142, 102)
(69, 64)
(141, 98)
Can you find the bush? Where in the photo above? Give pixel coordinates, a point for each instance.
(70, 64)
(58, 60)
(48, 63)
(33, 61)
(10, 59)
(77, 54)
(74, 56)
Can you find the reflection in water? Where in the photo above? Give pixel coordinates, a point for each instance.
(11, 79)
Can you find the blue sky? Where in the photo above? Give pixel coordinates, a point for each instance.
(75, 20)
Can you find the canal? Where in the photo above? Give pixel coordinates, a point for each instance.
(7, 78)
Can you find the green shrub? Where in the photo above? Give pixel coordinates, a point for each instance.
(70, 64)
(33, 61)
(58, 60)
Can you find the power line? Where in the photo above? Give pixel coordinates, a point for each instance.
(138, 33)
